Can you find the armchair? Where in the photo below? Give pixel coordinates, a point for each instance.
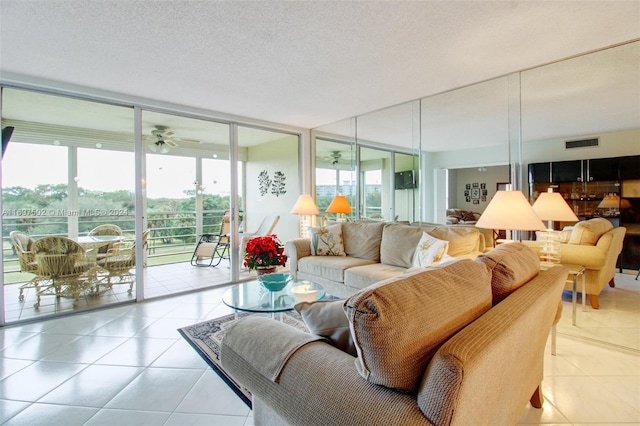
(596, 245)
(22, 245)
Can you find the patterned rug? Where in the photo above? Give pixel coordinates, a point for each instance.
(206, 338)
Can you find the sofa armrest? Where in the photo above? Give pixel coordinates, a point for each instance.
(319, 385)
(296, 249)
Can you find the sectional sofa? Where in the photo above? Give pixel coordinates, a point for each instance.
(370, 252)
(455, 344)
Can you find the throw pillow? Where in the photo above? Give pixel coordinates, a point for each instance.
(588, 232)
(512, 265)
(430, 250)
(398, 325)
(326, 318)
(327, 241)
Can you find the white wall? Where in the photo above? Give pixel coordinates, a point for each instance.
(280, 155)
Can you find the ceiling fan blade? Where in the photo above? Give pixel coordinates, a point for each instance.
(170, 143)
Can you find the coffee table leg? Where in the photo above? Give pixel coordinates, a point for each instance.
(584, 289)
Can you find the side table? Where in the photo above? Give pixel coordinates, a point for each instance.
(573, 271)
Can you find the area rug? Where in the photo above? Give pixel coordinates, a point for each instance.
(206, 338)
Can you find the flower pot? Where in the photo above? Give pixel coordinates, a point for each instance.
(268, 270)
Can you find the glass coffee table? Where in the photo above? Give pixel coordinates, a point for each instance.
(252, 296)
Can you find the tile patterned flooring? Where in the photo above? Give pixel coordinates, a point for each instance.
(128, 365)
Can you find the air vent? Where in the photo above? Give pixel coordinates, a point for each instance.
(581, 143)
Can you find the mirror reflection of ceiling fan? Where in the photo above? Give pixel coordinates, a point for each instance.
(334, 158)
(164, 139)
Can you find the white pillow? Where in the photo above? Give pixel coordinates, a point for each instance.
(430, 250)
(327, 241)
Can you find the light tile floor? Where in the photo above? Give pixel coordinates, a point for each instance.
(128, 365)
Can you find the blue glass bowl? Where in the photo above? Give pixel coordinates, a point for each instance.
(274, 282)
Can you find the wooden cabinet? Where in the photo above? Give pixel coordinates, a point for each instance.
(629, 167)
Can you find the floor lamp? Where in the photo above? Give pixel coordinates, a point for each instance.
(551, 207)
(306, 208)
(510, 210)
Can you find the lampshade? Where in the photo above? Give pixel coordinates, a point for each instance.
(552, 207)
(510, 210)
(625, 204)
(339, 205)
(305, 206)
(610, 201)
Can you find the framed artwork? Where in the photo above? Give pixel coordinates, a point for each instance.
(484, 198)
(468, 199)
(476, 201)
(475, 193)
(475, 184)
(468, 186)
(466, 192)
(484, 192)
(483, 185)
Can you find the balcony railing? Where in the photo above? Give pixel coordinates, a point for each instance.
(172, 236)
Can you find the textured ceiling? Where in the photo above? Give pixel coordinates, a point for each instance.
(302, 63)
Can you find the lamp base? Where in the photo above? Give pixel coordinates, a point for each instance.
(550, 250)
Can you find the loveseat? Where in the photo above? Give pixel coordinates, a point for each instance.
(363, 253)
(594, 244)
(454, 344)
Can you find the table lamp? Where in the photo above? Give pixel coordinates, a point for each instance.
(306, 208)
(550, 207)
(612, 203)
(510, 210)
(339, 205)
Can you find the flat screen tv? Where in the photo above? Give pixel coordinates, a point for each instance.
(405, 180)
(6, 136)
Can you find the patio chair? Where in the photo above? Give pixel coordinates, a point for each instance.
(101, 230)
(22, 245)
(65, 269)
(213, 246)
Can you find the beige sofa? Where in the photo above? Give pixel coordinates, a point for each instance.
(461, 344)
(374, 251)
(596, 245)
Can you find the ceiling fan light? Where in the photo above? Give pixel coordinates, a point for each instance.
(160, 147)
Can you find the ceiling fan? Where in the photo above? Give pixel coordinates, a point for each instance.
(334, 158)
(164, 140)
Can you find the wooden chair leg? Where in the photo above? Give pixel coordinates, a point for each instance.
(537, 398)
(612, 284)
(595, 302)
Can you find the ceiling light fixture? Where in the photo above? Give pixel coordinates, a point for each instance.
(160, 147)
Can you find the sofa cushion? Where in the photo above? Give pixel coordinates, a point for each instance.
(327, 241)
(330, 267)
(362, 239)
(511, 265)
(588, 232)
(360, 277)
(326, 318)
(398, 244)
(398, 324)
(462, 241)
(429, 250)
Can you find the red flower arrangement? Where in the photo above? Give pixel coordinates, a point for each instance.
(264, 252)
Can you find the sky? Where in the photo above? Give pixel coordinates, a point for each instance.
(31, 165)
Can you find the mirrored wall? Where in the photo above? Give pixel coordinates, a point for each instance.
(484, 136)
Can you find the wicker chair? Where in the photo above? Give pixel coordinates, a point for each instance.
(120, 261)
(22, 244)
(101, 230)
(65, 269)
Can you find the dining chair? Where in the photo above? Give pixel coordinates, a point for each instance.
(120, 261)
(102, 230)
(65, 268)
(22, 245)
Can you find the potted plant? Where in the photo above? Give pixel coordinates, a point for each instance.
(264, 254)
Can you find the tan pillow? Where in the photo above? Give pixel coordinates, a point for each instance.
(512, 265)
(399, 244)
(327, 241)
(326, 318)
(397, 325)
(588, 232)
(362, 240)
(462, 241)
